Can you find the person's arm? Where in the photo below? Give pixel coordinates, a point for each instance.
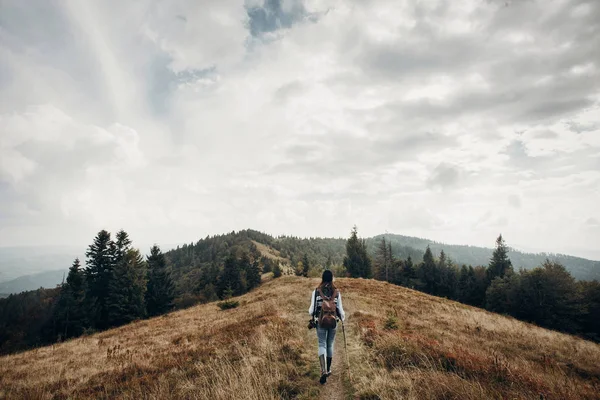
(311, 310)
(341, 308)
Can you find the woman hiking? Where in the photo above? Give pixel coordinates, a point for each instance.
(326, 305)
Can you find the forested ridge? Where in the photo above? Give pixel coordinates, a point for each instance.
(117, 284)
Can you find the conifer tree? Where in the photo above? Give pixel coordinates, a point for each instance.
(305, 265)
(277, 270)
(254, 274)
(464, 284)
(161, 290)
(230, 277)
(122, 244)
(244, 266)
(357, 261)
(382, 262)
(409, 275)
(446, 278)
(500, 264)
(127, 289)
(428, 272)
(70, 312)
(98, 273)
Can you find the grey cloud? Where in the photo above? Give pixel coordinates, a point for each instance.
(407, 60)
(546, 134)
(445, 176)
(340, 154)
(553, 108)
(511, 71)
(592, 222)
(284, 92)
(514, 201)
(163, 82)
(580, 128)
(274, 15)
(516, 150)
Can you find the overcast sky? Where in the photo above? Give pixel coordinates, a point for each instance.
(450, 120)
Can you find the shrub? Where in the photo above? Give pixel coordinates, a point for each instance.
(228, 304)
(277, 271)
(391, 323)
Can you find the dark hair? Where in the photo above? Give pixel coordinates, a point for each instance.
(327, 279)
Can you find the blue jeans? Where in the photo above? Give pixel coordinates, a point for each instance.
(326, 338)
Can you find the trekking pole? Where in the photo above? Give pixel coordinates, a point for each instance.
(346, 351)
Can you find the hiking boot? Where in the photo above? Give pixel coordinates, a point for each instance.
(323, 369)
(323, 379)
(329, 359)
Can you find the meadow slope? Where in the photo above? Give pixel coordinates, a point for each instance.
(401, 344)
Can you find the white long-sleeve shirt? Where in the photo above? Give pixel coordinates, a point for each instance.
(338, 303)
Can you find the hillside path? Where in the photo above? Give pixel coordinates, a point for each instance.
(334, 388)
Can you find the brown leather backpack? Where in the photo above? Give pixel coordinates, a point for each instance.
(328, 310)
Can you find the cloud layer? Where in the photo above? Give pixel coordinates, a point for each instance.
(449, 120)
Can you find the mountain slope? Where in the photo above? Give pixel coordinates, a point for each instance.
(28, 260)
(47, 279)
(580, 268)
(188, 260)
(401, 344)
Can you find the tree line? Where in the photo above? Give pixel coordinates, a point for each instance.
(118, 285)
(547, 295)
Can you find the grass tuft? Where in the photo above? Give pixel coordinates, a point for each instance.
(228, 304)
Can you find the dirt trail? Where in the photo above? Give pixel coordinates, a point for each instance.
(334, 388)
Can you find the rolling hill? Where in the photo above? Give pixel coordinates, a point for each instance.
(580, 268)
(44, 266)
(401, 344)
(46, 279)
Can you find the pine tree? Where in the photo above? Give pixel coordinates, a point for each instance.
(382, 262)
(446, 279)
(70, 312)
(409, 275)
(98, 273)
(305, 265)
(357, 261)
(500, 264)
(244, 266)
(127, 289)
(277, 270)
(230, 277)
(428, 272)
(122, 244)
(161, 290)
(464, 284)
(254, 275)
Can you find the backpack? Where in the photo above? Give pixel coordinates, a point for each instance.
(328, 311)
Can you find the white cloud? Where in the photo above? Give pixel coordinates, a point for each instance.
(176, 120)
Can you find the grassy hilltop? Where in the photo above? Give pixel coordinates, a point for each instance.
(401, 344)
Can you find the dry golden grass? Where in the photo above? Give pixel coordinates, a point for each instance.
(446, 350)
(275, 255)
(262, 350)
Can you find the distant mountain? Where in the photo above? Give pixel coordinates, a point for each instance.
(29, 268)
(580, 268)
(192, 257)
(46, 279)
(27, 260)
